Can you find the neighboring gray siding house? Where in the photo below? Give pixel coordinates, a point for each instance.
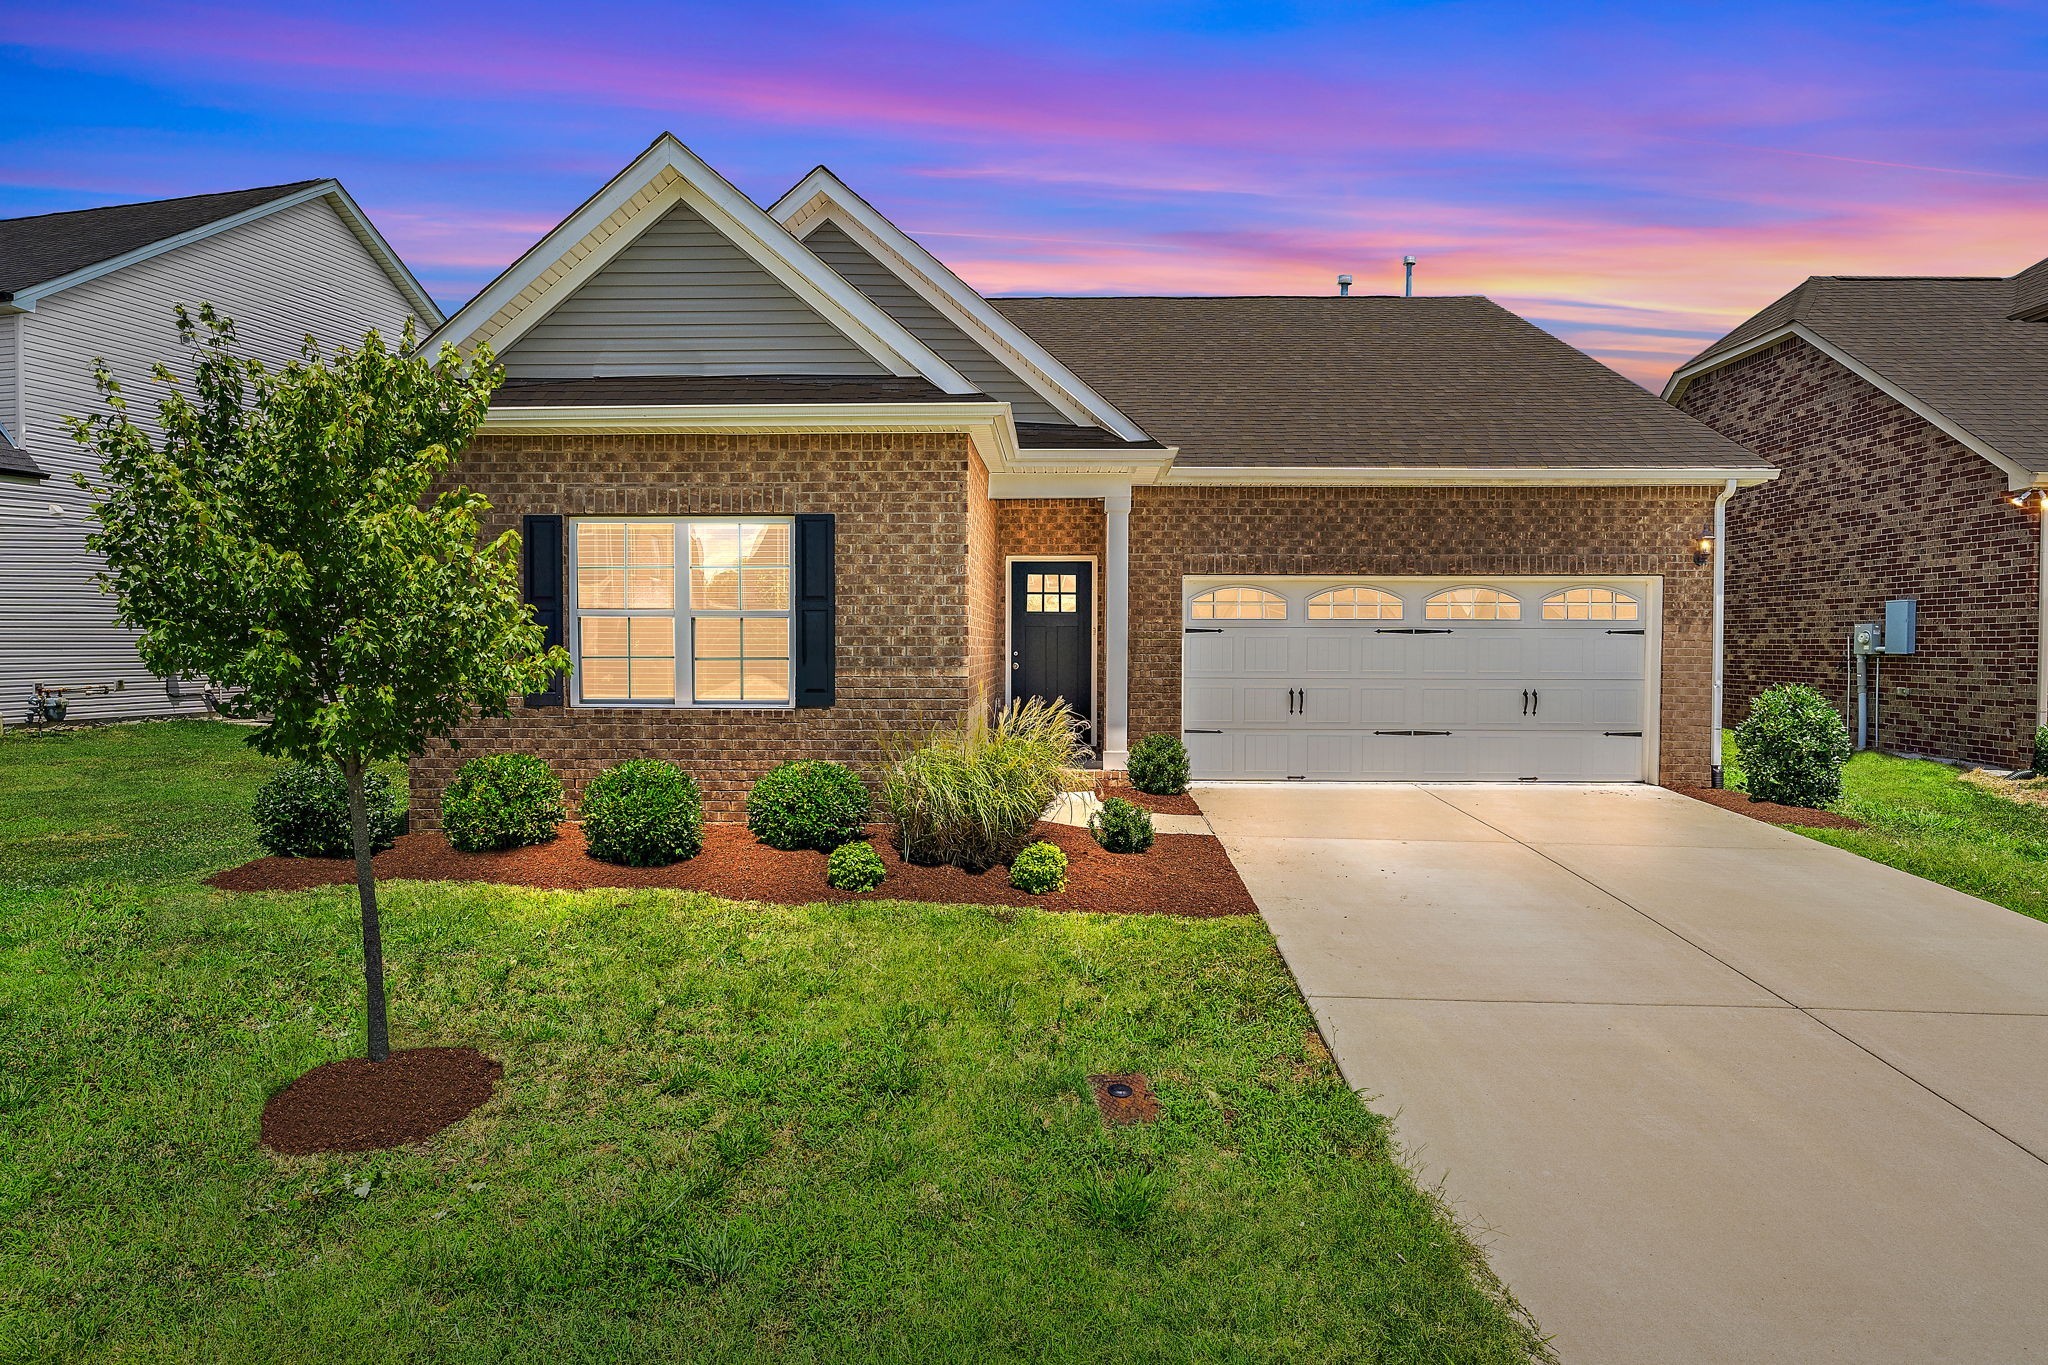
(283, 261)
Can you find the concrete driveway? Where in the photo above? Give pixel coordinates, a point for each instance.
(1708, 1090)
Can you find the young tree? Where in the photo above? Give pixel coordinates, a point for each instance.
(279, 540)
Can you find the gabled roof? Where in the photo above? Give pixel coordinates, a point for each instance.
(15, 460)
(941, 306)
(1367, 382)
(48, 252)
(666, 174)
(1957, 350)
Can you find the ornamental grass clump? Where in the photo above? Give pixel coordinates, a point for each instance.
(502, 801)
(970, 793)
(302, 812)
(808, 805)
(1158, 765)
(643, 813)
(1121, 826)
(855, 867)
(1793, 747)
(1040, 869)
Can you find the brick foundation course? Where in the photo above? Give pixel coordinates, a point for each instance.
(1874, 503)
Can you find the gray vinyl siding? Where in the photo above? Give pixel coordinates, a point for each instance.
(681, 299)
(887, 291)
(296, 271)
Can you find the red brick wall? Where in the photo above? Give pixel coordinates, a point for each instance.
(1058, 526)
(904, 622)
(1874, 503)
(1636, 532)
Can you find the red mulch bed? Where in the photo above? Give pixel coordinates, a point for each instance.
(1182, 874)
(358, 1105)
(1770, 812)
(1116, 784)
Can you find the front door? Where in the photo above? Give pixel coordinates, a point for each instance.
(1052, 634)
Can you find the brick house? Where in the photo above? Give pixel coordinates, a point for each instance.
(1909, 417)
(789, 487)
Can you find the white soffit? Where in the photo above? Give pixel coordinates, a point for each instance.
(665, 174)
(822, 197)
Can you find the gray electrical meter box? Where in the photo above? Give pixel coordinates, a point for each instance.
(1901, 625)
(1865, 638)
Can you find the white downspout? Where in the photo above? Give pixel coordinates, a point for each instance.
(1720, 604)
(2041, 606)
(1116, 592)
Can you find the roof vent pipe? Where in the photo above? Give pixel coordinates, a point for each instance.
(1343, 286)
(1408, 285)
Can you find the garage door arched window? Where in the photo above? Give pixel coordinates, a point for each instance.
(1591, 604)
(1472, 604)
(1354, 604)
(1238, 604)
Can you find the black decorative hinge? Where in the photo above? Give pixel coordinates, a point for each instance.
(1216, 630)
(1411, 732)
(1201, 732)
(1622, 734)
(1624, 632)
(1413, 630)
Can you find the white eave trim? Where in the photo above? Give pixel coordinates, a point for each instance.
(729, 212)
(822, 197)
(1411, 476)
(2017, 475)
(352, 216)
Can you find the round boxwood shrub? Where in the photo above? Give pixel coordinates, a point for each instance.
(2041, 751)
(302, 812)
(502, 801)
(1121, 826)
(855, 867)
(1040, 869)
(1158, 765)
(808, 805)
(643, 813)
(1793, 747)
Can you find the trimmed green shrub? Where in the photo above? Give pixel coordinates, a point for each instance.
(1158, 765)
(643, 813)
(1039, 869)
(1793, 746)
(2041, 751)
(1122, 826)
(808, 805)
(970, 793)
(502, 801)
(302, 812)
(854, 867)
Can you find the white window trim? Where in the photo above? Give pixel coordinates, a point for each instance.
(685, 615)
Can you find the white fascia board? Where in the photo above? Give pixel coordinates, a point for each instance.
(352, 216)
(988, 425)
(957, 300)
(2017, 475)
(730, 213)
(1408, 476)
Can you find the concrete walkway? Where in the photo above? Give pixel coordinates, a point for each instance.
(1710, 1091)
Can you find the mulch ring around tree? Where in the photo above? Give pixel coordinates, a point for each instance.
(1116, 784)
(1770, 812)
(1181, 874)
(357, 1105)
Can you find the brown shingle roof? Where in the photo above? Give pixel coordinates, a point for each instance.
(1372, 381)
(1956, 344)
(50, 246)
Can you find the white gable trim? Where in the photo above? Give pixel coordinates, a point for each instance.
(2017, 475)
(668, 173)
(821, 197)
(352, 215)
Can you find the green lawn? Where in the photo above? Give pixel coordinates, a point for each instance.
(725, 1132)
(1926, 819)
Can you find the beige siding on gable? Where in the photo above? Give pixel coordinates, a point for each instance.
(888, 291)
(682, 299)
(296, 271)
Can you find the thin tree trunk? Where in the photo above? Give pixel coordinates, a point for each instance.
(366, 892)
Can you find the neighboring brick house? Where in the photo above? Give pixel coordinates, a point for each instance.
(790, 488)
(1910, 419)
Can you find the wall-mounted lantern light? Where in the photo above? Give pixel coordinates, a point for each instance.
(2028, 497)
(1703, 548)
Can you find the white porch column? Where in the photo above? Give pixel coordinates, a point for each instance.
(1116, 603)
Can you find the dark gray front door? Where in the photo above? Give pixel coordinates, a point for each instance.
(1052, 633)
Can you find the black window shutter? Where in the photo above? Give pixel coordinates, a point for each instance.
(542, 552)
(817, 595)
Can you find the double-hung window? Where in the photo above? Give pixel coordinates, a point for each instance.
(691, 611)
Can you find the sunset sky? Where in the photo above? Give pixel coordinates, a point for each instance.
(1637, 178)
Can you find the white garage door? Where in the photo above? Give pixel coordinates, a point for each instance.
(1500, 679)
